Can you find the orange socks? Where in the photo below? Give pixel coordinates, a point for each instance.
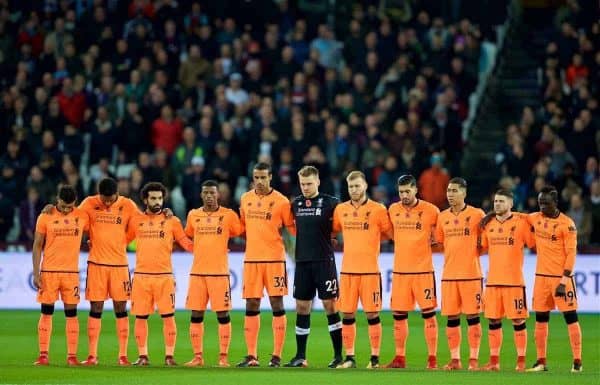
(170, 334)
(541, 338)
(400, 334)
(474, 335)
(279, 326)
(197, 335)
(349, 335)
(453, 333)
(575, 339)
(521, 339)
(141, 335)
(251, 328)
(495, 339)
(375, 332)
(430, 327)
(122, 332)
(224, 334)
(44, 332)
(72, 332)
(93, 329)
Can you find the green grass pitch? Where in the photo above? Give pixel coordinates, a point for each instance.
(19, 349)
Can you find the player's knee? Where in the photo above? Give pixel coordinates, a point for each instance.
(543, 317)
(72, 312)
(120, 306)
(348, 321)
(400, 316)
(427, 314)
(374, 321)
(142, 316)
(168, 315)
(453, 322)
(223, 319)
(570, 317)
(252, 313)
(328, 305)
(96, 306)
(120, 314)
(278, 313)
(47, 309)
(520, 326)
(471, 321)
(197, 319)
(252, 304)
(95, 314)
(495, 324)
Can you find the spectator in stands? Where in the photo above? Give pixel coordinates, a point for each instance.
(433, 182)
(192, 181)
(582, 219)
(166, 130)
(29, 209)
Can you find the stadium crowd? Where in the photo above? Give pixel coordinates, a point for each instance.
(559, 143)
(181, 92)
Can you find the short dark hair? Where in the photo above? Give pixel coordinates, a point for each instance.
(550, 190)
(505, 193)
(263, 166)
(107, 187)
(459, 181)
(210, 183)
(153, 186)
(67, 194)
(407, 179)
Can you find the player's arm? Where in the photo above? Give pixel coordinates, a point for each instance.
(180, 236)
(438, 235)
(189, 227)
(242, 217)
(38, 244)
(385, 226)
(235, 225)
(483, 242)
(131, 233)
(570, 250)
(288, 218)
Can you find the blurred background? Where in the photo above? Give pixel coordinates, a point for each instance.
(500, 92)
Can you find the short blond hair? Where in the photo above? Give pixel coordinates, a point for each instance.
(307, 171)
(355, 175)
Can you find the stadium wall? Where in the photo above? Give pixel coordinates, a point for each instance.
(17, 292)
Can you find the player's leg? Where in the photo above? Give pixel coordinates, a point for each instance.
(370, 298)
(142, 305)
(304, 292)
(515, 307)
(163, 291)
(196, 301)
(44, 332)
(96, 291)
(348, 304)
(69, 294)
(219, 293)
(402, 301)
(543, 303)
(426, 297)
(520, 336)
(278, 325)
(451, 307)
(568, 306)
(494, 311)
(120, 292)
(471, 293)
(224, 321)
(252, 293)
(275, 281)
(334, 324)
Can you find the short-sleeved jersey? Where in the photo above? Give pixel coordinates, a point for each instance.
(263, 216)
(154, 235)
(314, 222)
(413, 234)
(459, 235)
(361, 228)
(62, 239)
(211, 232)
(108, 229)
(504, 242)
(556, 243)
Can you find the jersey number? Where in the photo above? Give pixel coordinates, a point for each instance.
(427, 293)
(172, 299)
(127, 286)
(331, 285)
(519, 304)
(478, 298)
(280, 282)
(76, 291)
(376, 296)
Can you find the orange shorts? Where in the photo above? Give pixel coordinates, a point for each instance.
(67, 284)
(213, 288)
(261, 275)
(505, 301)
(151, 291)
(104, 282)
(462, 297)
(543, 294)
(410, 288)
(366, 287)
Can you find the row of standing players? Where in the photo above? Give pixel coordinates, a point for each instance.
(416, 227)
